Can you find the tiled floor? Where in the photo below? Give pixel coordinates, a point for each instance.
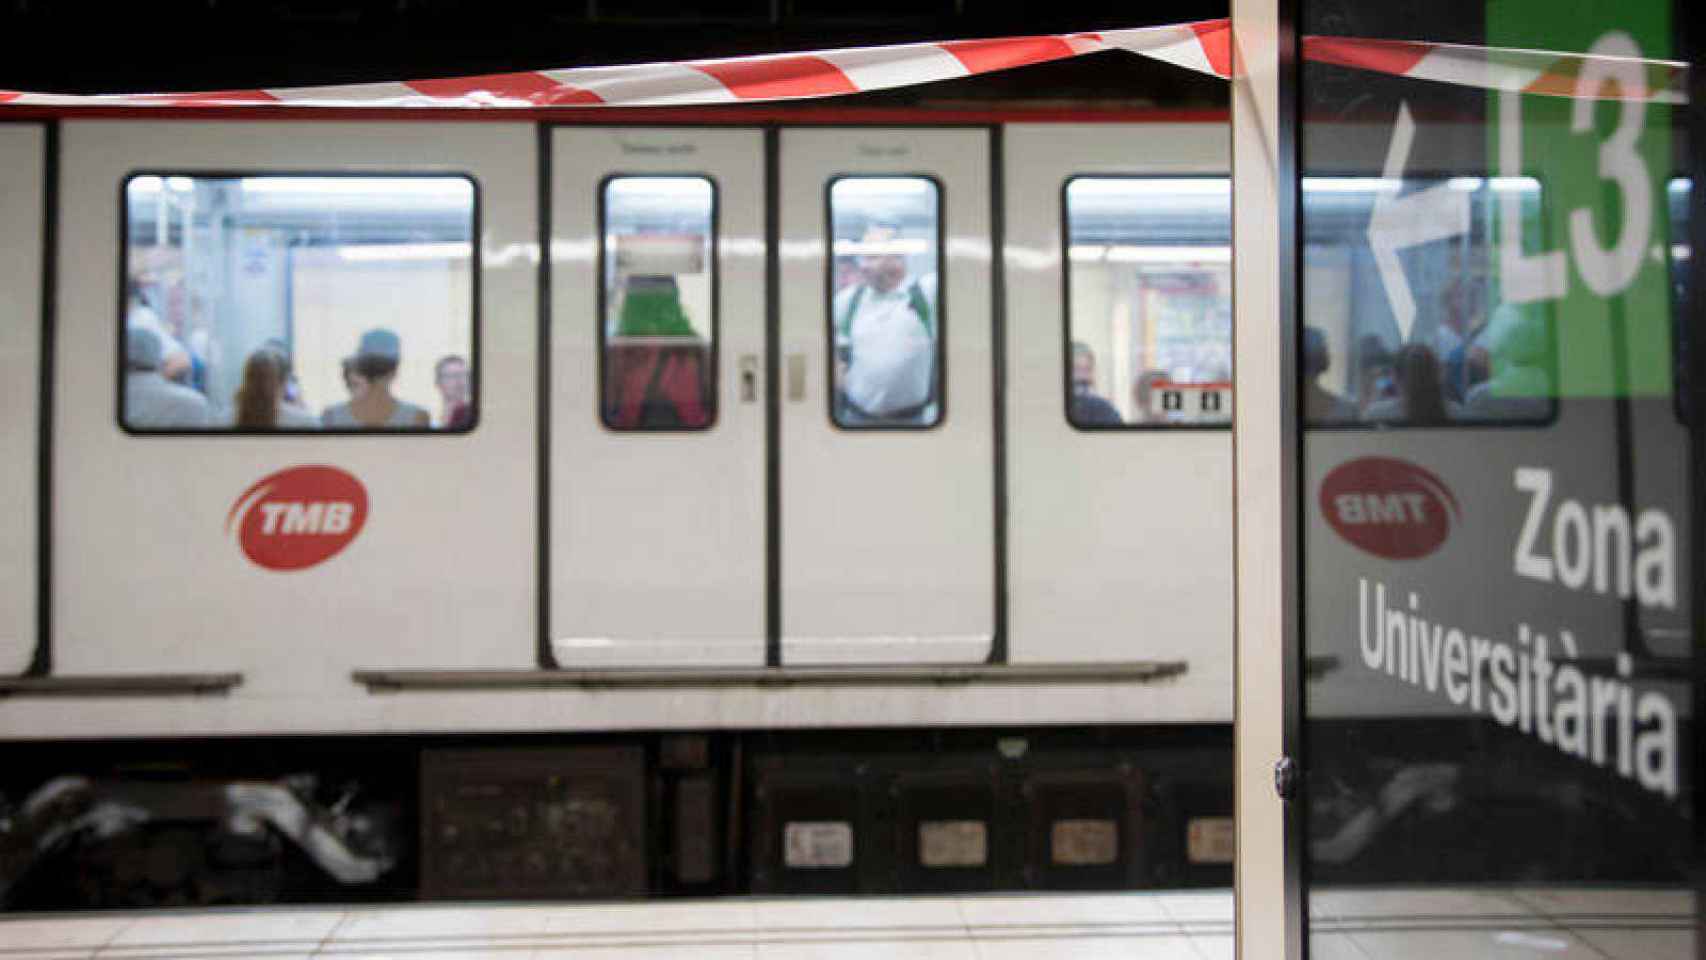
(1349, 925)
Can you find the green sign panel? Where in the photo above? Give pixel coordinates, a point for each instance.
(1582, 256)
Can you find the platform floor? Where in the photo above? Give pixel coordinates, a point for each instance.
(1391, 924)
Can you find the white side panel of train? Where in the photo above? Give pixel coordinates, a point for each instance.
(22, 158)
(887, 534)
(444, 574)
(657, 538)
(147, 580)
(1119, 542)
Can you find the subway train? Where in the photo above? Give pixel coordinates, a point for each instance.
(698, 502)
(613, 504)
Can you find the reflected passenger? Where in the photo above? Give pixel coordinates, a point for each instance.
(375, 363)
(1321, 405)
(1373, 368)
(150, 400)
(260, 398)
(1519, 387)
(1421, 392)
(1089, 409)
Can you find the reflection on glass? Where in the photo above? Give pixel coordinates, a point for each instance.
(659, 322)
(885, 314)
(1496, 639)
(279, 303)
(1678, 194)
(1465, 357)
(1149, 301)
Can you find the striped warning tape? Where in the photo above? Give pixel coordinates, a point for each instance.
(1542, 72)
(1204, 46)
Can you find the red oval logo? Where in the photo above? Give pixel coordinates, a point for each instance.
(298, 517)
(1391, 508)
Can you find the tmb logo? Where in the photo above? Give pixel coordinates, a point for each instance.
(1391, 508)
(298, 517)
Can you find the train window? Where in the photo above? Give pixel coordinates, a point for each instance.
(1461, 356)
(1148, 292)
(658, 302)
(885, 304)
(284, 303)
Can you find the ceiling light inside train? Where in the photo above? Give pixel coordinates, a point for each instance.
(1133, 253)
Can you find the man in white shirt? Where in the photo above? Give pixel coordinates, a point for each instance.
(151, 402)
(885, 339)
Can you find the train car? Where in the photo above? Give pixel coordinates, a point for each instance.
(614, 503)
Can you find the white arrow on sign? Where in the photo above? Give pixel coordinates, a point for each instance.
(1398, 223)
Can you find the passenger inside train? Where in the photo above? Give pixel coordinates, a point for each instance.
(1149, 301)
(260, 402)
(251, 290)
(886, 315)
(376, 359)
(659, 324)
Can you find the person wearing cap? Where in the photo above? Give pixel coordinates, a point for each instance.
(376, 358)
(151, 402)
(885, 337)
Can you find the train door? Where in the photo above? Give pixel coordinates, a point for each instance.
(1118, 402)
(294, 402)
(887, 425)
(657, 330)
(22, 155)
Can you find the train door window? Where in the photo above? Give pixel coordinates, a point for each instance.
(1453, 352)
(271, 303)
(658, 302)
(885, 305)
(1148, 301)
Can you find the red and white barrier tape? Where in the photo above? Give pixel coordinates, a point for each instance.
(789, 76)
(1541, 72)
(1204, 46)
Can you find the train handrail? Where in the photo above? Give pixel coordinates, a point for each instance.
(121, 685)
(1143, 671)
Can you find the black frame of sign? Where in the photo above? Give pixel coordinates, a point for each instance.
(1690, 45)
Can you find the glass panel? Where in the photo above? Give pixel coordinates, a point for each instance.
(659, 320)
(885, 312)
(1463, 360)
(1149, 301)
(286, 303)
(1496, 598)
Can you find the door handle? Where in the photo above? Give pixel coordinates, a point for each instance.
(749, 378)
(796, 377)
